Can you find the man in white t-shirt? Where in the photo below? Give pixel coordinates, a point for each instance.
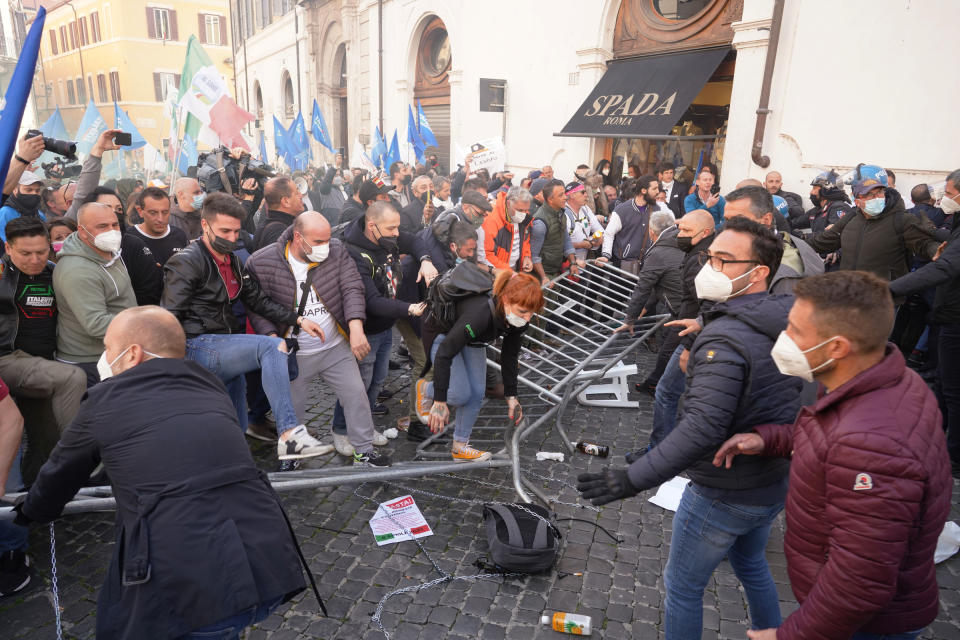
(305, 258)
(582, 224)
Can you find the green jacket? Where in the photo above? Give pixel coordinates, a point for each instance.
(551, 254)
(90, 292)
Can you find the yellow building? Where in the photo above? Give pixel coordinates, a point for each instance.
(128, 51)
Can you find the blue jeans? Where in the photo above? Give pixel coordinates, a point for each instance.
(373, 371)
(907, 635)
(13, 537)
(468, 383)
(666, 399)
(229, 357)
(230, 628)
(704, 531)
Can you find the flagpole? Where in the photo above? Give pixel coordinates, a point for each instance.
(176, 161)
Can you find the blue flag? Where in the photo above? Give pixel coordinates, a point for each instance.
(122, 121)
(413, 136)
(424, 127)
(188, 154)
(298, 143)
(393, 155)
(379, 148)
(21, 83)
(280, 139)
(90, 128)
(318, 127)
(263, 148)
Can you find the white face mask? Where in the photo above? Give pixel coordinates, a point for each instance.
(105, 369)
(949, 205)
(108, 241)
(515, 321)
(519, 216)
(318, 253)
(714, 285)
(792, 361)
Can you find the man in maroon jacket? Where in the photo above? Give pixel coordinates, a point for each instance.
(870, 478)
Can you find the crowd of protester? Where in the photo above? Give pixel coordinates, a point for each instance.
(236, 300)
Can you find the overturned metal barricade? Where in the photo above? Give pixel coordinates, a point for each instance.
(568, 348)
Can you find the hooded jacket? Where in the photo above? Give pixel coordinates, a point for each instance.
(869, 494)
(381, 273)
(732, 385)
(660, 276)
(335, 282)
(13, 209)
(200, 534)
(786, 277)
(881, 245)
(90, 292)
(498, 236)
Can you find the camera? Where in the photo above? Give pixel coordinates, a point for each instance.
(60, 147)
(60, 168)
(235, 171)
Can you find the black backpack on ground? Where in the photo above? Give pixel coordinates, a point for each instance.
(463, 281)
(519, 541)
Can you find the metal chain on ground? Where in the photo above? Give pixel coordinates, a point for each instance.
(53, 581)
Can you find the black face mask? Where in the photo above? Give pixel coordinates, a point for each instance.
(222, 245)
(685, 243)
(391, 244)
(29, 202)
(407, 179)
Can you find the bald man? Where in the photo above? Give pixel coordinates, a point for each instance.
(304, 257)
(774, 184)
(185, 211)
(191, 503)
(695, 233)
(92, 287)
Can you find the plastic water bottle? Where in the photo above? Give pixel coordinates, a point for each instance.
(568, 623)
(599, 450)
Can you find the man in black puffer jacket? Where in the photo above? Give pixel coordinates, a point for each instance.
(202, 282)
(732, 385)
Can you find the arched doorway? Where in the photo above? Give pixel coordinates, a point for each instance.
(339, 96)
(432, 85)
(258, 102)
(289, 102)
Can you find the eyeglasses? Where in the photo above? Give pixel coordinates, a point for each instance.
(719, 263)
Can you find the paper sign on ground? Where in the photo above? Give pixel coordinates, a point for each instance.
(668, 496)
(395, 521)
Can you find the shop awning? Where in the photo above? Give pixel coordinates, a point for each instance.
(641, 97)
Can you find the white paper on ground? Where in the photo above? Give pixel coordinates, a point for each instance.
(948, 543)
(550, 455)
(668, 496)
(395, 521)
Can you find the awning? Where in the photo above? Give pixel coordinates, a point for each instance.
(646, 96)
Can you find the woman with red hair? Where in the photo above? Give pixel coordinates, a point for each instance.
(460, 358)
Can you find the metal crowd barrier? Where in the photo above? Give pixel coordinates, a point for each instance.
(574, 331)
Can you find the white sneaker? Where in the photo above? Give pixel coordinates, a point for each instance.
(300, 444)
(342, 445)
(379, 439)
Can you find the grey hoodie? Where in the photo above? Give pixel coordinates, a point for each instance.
(90, 292)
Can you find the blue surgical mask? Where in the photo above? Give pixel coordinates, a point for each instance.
(874, 207)
(198, 201)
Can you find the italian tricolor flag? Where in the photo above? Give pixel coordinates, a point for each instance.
(203, 94)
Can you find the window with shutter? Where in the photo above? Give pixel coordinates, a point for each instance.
(73, 34)
(84, 40)
(102, 87)
(81, 91)
(53, 42)
(63, 39)
(157, 87)
(173, 25)
(210, 27)
(223, 30)
(95, 26)
(115, 86)
(71, 96)
(90, 85)
(202, 27)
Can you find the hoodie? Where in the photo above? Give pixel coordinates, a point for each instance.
(188, 221)
(732, 386)
(90, 292)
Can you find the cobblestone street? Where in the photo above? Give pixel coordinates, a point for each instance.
(621, 587)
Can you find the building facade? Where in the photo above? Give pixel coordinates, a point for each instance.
(652, 80)
(128, 52)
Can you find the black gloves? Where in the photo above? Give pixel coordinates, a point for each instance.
(601, 488)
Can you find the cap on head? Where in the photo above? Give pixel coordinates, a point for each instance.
(537, 186)
(868, 177)
(476, 199)
(29, 177)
